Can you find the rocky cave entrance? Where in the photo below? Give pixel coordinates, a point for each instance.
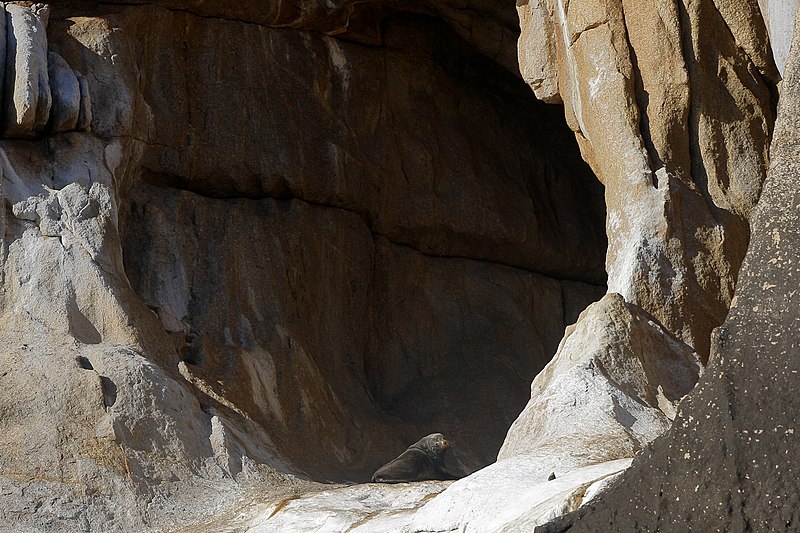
(385, 239)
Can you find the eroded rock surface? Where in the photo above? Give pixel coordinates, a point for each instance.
(275, 253)
(673, 107)
(729, 463)
(274, 239)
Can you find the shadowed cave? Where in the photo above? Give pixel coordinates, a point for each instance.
(354, 241)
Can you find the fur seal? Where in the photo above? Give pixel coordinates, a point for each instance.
(422, 460)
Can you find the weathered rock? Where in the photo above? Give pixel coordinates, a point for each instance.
(361, 508)
(729, 462)
(370, 241)
(259, 325)
(95, 414)
(66, 93)
(389, 151)
(503, 330)
(538, 53)
(611, 388)
(489, 27)
(780, 16)
(513, 495)
(27, 97)
(264, 325)
(373, 161)
(687, 90)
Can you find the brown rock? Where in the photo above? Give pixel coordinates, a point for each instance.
(387, 150)
(673, 109)
(729, 462)
(327, 247)
(313, 311)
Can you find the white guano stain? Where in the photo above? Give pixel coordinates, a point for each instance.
(339, 62)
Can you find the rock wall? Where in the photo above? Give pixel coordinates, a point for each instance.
(781, 16)
(673, 107)
(245, 245)
(238, 250)
(688, 92)
(728, 462)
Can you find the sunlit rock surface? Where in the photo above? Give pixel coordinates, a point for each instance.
(251, 247)
(728, 464)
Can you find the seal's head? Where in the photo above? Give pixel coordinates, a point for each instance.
(434, 445)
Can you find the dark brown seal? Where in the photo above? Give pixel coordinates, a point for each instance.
(422, 460)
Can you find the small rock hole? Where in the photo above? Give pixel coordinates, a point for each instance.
(109, 391)
(191, 353)
(84, 363)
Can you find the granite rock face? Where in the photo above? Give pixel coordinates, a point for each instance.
(235, 254)
(687, 92)
(729, 462)
(248, 244)
(673, 107)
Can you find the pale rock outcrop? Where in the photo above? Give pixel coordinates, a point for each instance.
(39, 89)
(370, 508)
(27, 86)
(513, 495)
(673, 107)
(74, 334)
(729, 463)
(780, 16)
(611, 388)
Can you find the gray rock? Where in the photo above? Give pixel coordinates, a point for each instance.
(66, 93)
(27, 98)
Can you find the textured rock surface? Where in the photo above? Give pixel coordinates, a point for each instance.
(384, 165)
(513, 495)
(408, 153)
(610, 389)
(274, 253)
(734, 442)
(687, 89)
(27, 88)
(781, 16)
(369, 508)
(300, 235)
